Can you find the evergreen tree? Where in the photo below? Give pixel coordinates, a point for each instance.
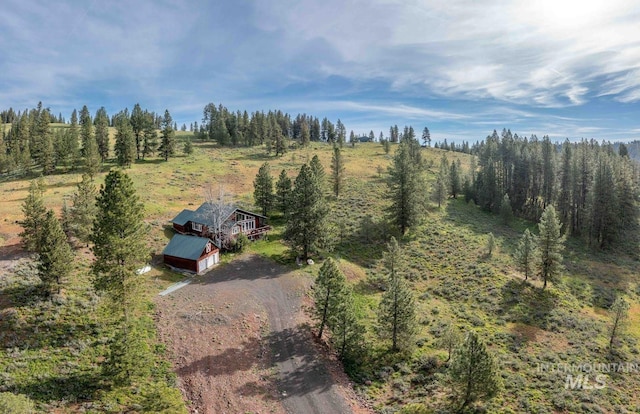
(426, 137)
(125, 147)
(506, 212)
(149, 137)
(327, 294)
(34, 216)
(603, 223)
(619, 314)
(318, 170)
(167, 148)
(442, 184)
(455, 181)
(263, 189)
(45, 155)
(347, 332)
(283, 192)
(72, 138)
(86, 130)
(188, 147)
(138, 124)
(473, 373)
(337, 171)
(83, 210)
(305, 136)
(525, 254)
(119, 243)
(102, 133)
(396, 314)
(55, 256)
(549, 246)
(405, 184)
(386, 145)
(306, 219)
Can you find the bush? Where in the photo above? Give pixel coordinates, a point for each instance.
(240, 243)
(15, 404)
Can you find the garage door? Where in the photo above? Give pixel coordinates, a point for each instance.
(202, 264)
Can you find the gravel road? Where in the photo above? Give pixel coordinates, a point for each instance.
(229, 329)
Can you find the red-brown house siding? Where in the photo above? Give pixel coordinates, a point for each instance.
(181, 263)
(179, 228)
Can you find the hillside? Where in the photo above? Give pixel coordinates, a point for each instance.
(456, 282)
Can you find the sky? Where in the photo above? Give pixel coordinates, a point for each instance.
(563, 68)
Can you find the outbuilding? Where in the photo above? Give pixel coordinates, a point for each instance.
(191, 253)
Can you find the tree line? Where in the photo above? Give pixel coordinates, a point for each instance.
(594, 189)
(29, 143)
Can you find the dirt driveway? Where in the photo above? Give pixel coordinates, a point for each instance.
(240, 343)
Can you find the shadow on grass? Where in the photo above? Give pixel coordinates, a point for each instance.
(75, 387)
(524, 303)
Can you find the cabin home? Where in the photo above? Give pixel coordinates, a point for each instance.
(221, 223)
(191, 253)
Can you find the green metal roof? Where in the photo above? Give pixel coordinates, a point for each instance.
(186, 247)
(182, 218)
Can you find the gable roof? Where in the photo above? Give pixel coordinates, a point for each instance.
(182, 218)
(207, 214)
(186, 247)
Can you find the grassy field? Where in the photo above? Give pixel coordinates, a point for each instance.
(454, 279)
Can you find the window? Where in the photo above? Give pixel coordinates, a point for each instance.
(235, 230)
(196, 226)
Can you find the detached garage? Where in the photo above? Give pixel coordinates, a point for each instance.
(195, 254)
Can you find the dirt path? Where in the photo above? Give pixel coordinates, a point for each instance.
(240, 344)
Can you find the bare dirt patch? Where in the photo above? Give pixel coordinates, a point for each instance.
(240, 343)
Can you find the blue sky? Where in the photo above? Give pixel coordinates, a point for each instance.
(564, 68)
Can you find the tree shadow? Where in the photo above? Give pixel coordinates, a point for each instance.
(79, 386)
(243, 357)
(522, 302)
(245, 267)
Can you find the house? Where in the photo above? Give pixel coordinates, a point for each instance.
(222, 223)
(191, 253)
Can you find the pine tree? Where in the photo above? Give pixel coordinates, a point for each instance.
(549, 246)
(45, 156)
(102, 133)
(619, 314)
(83, 210)
(450, 340)
(86, 130)
(455, 181)
(55, 256)
(72, 138)
(305, 136)
(473, 373)
(318, 170)
(347, 332)
(603, 224)
(263, 189)
(426, 137)
(337, 171)
(125, 147)
(396, 314)
(506, 212)
(283, 192)
(405, 187)
(167, 148)
(525, 254)
(138, 124)
(442, 184)
(34, 216)
(119, 243)
(149, 138)
(327, 293)
(187, 149)
(306, 219)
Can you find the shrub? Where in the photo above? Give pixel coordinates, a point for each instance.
(15, 404)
